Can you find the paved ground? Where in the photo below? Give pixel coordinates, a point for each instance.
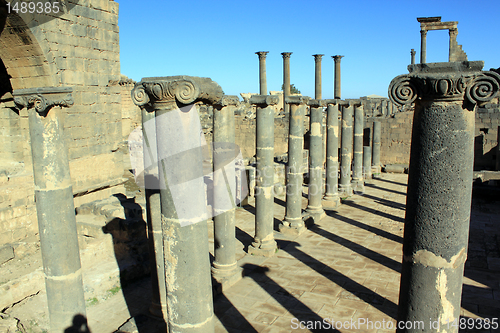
(344, 268)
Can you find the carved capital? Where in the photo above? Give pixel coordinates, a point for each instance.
(262, 54)
(264, 100)
(286, 55)
(337, 58)
(423, 33)
(229, 100)
(317, 57)
(448, 82)
(453, 33)
(170, 90)
(413, 52)
(43, 99)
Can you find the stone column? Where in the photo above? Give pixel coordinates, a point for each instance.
(225, 268)
(286, 79)
(317, 75)
(264, 243)
(453, 43)
(315, 188)
(423, 46)
(367, 164)
(293, 223)
(180, 143)
(153, 215)
(357, 161)
(439, 185)
(54, 203)
(332, 153)
(497, 165)
(345, 188)
(412, 56)
(262, 71)
(336, 89)
(377, 134)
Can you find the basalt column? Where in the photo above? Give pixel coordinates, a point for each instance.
(315, 188)
(357, 162)
(439, 186)
(286, 79)
(180, 152)
(367, 164)
(377, 134)
(262, 71)
(264, 243)
(54, 203)
(336, 89)
(153, 214)
(332, 154)
(224, 268)
(293, 223)
(345, 188)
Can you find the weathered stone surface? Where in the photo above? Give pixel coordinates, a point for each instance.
(6, 253)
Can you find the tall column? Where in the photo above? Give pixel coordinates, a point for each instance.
(179, 143)
(497, 164)
(293, 223)
(315, 188)
(345, 188)
(367, 164)
(225, 268)
(332, 153)
(286, 80)
(54, 203)
(377, 135)
(357, 162)
(153, 216)
(412, 56)
(439, 186)
(336, 89)
(262, 71)
(423, 46)
(264, 243)
(317, 75)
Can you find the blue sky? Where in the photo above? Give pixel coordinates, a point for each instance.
(218, 39)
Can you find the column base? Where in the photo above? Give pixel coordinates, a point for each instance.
(358, 187)
(368, 179)
(376, 171)
(223, 279)
(331, 201)
(263, 250)
(316, 213)
(345, 191)
(294, 228)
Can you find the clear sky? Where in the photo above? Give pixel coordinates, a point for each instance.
(218, 39)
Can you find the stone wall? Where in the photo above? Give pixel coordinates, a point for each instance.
(78, 49)
(486, 137)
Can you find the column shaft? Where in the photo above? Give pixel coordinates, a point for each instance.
(357, 172)
(317, 76)
(55, 209)
(224, 267)
(332, 154)
(293, 222)
(264, 243)
(377, 134)
(412, 56)
(367, 164)
(423, 46)
(262, 72)
(336, 92)
(286, 80)
(315, 188)
(346, 151)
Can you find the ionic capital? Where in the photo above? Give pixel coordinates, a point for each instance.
(43, 99)
(170, 90)
(452, 81)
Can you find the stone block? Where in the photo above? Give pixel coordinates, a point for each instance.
(6, 253)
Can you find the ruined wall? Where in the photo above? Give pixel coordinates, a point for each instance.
(78, 49)
(486, 137)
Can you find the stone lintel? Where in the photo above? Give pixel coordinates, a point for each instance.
(335, 101)
(429, 19)
(43, 98)
(171, 89)
(451, 25)
(264, 100)
(297, 99)
(352, 102)
(229, 100)
(316, 103)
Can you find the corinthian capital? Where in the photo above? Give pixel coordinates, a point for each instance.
(43, 99)
(170, 90)
(447, 81)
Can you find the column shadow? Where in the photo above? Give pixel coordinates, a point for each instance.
(384, 189)
(372, 211)
(385, 202)
(391, 182)
(79, 325)
(229, 315)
